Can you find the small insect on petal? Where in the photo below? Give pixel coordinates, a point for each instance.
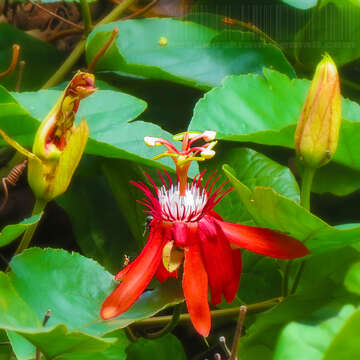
(163, 41)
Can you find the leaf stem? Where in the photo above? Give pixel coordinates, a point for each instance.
(86, 16)
(80, 47)
(215, 314)
(169, 327)
(306, 184)
(29, 232)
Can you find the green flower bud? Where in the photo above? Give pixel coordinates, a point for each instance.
(317, 133)
(59, 143)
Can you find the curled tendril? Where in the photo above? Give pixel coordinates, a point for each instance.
(14, 60)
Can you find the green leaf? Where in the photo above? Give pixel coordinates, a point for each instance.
(97, 221)
(345, 345)
(320, 337)
(41, 59)
(194, 55)
(73, 287)
(109, 115)
(320, 296)
(253, 169)
(265, 110)
(119, 175)
(352, 280)
(166, 347)
(340, 40)
(272, 210)
(301, 4)
(11, 232)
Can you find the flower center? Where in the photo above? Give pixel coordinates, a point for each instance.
(188, 207)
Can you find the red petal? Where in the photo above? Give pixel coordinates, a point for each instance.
(119, 276)
(217, 255)
(195, 286)
(180, 234)
(264, 241)
(162, 274)
(136, 279)
(231, 289)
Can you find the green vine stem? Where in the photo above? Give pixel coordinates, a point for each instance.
(86, 15)
(169, 327)
(29, 232)
(306, 184)
(80, 47)
(222, 314)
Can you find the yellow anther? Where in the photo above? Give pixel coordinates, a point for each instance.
(151, 141)
(209, 135)
(163, 41)
(207, 154)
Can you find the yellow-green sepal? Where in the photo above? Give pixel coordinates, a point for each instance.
(69, 159)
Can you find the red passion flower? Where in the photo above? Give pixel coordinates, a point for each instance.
(186, 230)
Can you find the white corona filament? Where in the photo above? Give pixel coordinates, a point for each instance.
(188, 207)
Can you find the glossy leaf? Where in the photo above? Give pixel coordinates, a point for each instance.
(119, 174)
(352, 280)
(272, 210)
(42, 59)
(191, 54)
(265, 110)
(73, 287)
(98, 224)
(320, 296)
(301, 4)
(11, 232)
(109, 115)
(253, 169)
(166, 347)
(321, 334)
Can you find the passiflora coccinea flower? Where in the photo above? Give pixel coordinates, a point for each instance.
(186, 230)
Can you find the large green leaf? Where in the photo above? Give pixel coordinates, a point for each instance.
(265, 110)
(73, 287)
(320, 296)
(97, 222)
(11, 232)
(193, 55)
(119, 174)
(108, 113)
(326, 334)
(166, 347)
(42, 59)
(253, 169)
(339, 37)
(301, 4)
(352, 280)
(272, 210)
